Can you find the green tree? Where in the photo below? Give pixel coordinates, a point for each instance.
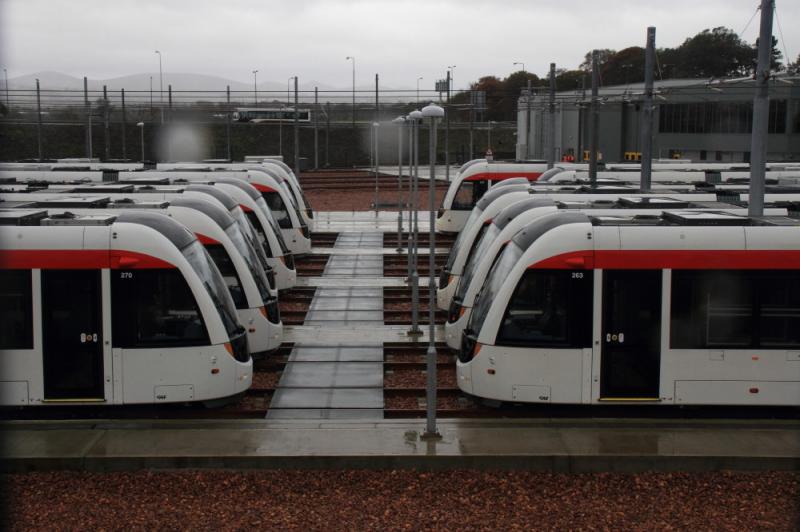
(603, 55)
(714, 53)
(625, 66)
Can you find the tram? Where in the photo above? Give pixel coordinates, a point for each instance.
(104, 309)
(234, 256)
(685, 308)
(472, 182)
(478, 221)
(509, 221)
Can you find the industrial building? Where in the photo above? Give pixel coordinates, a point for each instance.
(697, 119)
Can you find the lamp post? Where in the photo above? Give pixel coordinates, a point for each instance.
(376, 125)
(399, 121)
(450, 70)
(353, 59)
(418, 79)
(520, 63)
(140, 125)
(8, 102)
(433, 112)
(415, 116)
(161, 85)
(255, 87)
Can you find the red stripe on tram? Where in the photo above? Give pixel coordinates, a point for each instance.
(649, 259)
(78, 259)
(500, 176)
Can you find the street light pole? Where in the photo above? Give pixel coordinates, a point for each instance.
(450, 69)
(523, 66)
(399, 121)
(415, 116)
(161, 85)
(419, 78)
(376, 125)
(140, 125)
(433, 112)
(255, 87)
(8, 102)
(353, 59)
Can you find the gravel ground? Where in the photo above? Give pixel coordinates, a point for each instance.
(400, 500)
(361, 200)
(266, 379)
(414, 378)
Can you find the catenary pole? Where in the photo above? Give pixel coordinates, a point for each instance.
(551, 109)
(594, 123)
(647, 110)
(39, 120)
(124, 125)
(758, 141)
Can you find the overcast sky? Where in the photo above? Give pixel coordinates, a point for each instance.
(398, 39)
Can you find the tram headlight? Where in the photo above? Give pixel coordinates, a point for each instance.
(444, 278)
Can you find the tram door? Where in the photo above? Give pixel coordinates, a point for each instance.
(72, 327)
(631, 334)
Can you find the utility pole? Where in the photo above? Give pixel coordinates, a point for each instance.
(39, 120)
(327, 133)
(647, 110)
(296, 132)
(316, 128)
(228, 123)
(551, 109)
(433, 112)
(88, 111)
(124, 124)
(758, 141)
(528, 127)
(377, 145)
(447, 131)
(106, 135)
(594, 123)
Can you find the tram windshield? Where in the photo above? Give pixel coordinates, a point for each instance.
(451, 258)
(275, 229)
(494, 281)
(249, 233)
(278, 208)
(475, 259)
(248, 253)
(201, 262)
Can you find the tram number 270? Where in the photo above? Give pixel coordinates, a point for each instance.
(126, 275)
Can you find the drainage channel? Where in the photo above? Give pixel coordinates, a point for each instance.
(342, 380)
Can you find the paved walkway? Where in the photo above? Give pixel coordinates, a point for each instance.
(338, 379)
(545, 445)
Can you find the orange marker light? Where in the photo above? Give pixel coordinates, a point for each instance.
(263, 311)
(229, 348)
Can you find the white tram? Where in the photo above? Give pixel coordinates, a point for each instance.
(235, 254)
(480, 217)
(113, 309)
(515, 217)
(472, 182)
(479, 220)
(689, 308)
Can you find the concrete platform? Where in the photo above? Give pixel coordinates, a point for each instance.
(547, 445)
(321, 335)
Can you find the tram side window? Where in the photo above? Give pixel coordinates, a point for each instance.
(735, 309)
(549, 308)
(154, 308)
(225, 266)
(468, 194)
(16, 312)
(278, 208)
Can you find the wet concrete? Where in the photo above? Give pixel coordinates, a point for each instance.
(335, 439)
(329, 381)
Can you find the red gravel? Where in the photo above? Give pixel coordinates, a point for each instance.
(414, 378)
(418, 357)
(415, 403)
(266, 379)
(400, 500)
(297, 306)
(361, 200)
